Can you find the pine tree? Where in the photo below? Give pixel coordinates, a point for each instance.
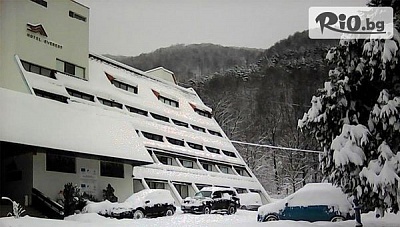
(356, 118)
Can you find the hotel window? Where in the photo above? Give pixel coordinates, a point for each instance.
(215, 133)
(38, 69)
(229, 153)
(48, 95)
(241, 190)
(70, 69)
(213, 150)
(197, 128)
(156, 185)
(136, 110)
(77, 16)
(195, 146)
(176, 141)
(207, 166)
(152, 136)
(202, 113)
(165, 160)
(60, 163)
(80, 95)
(180, 123)
(224, 169)
(159, 117)
(124, 86)
(241, 171)
(110, 103)
(187, 164)
(40, 2)
(168, 101)
(183, 190)
(111, 169)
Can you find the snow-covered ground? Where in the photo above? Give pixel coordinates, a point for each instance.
(240, 219)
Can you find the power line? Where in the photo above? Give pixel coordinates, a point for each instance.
(275, 147)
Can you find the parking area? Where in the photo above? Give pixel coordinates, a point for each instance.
(240, 219)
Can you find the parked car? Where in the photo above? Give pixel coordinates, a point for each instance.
(313, 202)
(146, 203)
(250, 201)
(212, 199)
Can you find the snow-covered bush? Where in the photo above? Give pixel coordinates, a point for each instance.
(17, 209)
(356, 119)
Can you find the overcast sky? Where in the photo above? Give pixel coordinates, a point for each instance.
(132, 27)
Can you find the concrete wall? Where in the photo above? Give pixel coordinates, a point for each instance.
(50, 182)
(70, 35)
(161, 73)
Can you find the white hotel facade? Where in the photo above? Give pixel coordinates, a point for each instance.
(71, 116)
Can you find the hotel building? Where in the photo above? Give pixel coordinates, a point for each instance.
(68, 115)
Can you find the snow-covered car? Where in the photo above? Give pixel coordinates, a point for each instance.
(146, 203)
(250, 201)
(212, 199)
(313, 202)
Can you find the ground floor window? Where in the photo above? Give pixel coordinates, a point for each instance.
(156, 185)
(241, 190)
(183, 190)
(60, 163)
(111, 169)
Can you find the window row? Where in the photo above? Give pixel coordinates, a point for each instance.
(135, 110)
(168, 101)
(79, 72)
(61, 66)
(77, 16)
(67, 164)
(185, 189)
(179, 142)
(30, 67)
(70, 69)
(203, 113)
(191, 163)
(70, 13)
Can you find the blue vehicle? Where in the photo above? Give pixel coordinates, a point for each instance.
(313, 202)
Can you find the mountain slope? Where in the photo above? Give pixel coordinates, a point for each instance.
(193, 61)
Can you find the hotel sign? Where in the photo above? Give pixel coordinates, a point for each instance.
(37, 32)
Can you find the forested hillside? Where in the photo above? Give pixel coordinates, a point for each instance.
(257, 97)
(193, 61)
(262, 102)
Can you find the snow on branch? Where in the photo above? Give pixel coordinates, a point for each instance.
(348, 145)
(386, 112)
(382, 173)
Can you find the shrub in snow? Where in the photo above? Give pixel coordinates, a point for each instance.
(356, 119)
(74, 200)
(108, 194)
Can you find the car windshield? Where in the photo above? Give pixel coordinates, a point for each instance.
(203, 194)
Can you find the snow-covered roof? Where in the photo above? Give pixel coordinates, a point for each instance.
(160, 68)
(102, 71)
(36, 121)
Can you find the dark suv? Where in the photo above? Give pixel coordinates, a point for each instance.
(212, 199)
